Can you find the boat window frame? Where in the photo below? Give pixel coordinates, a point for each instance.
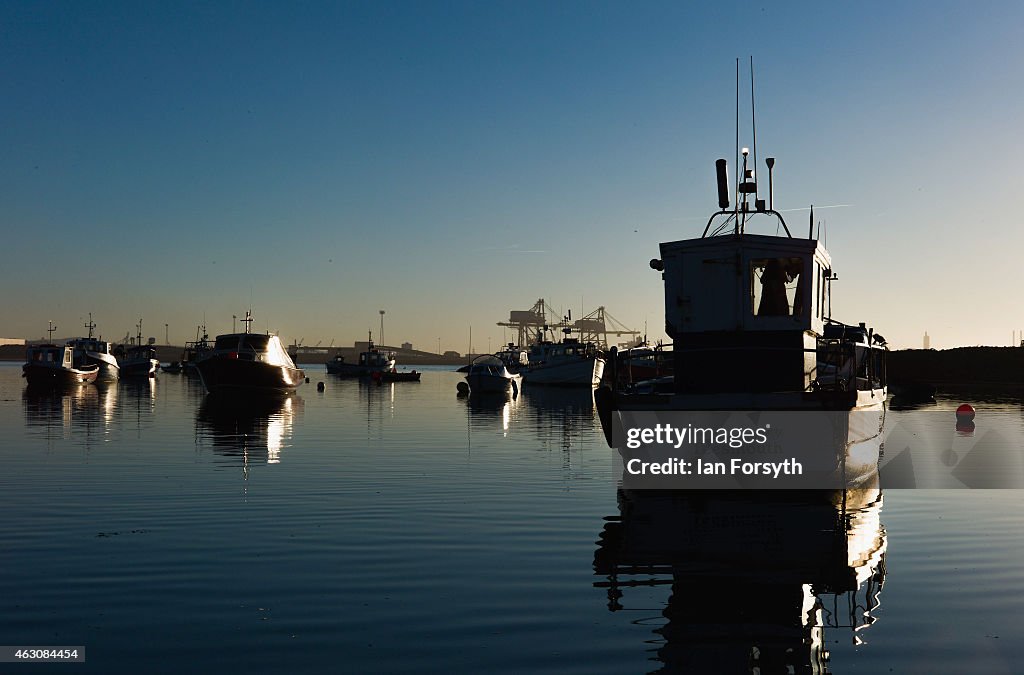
(794, 287)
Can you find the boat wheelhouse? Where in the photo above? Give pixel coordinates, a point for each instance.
(53, 365)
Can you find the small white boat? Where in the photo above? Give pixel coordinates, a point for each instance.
(488, 374)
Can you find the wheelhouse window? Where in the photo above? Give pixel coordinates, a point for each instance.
(775, 286)
(227, 342)
(257, 343)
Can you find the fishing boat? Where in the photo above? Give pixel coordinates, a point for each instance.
(751, 318)
(53, 365)
(373, 360)
(249, 362)
(137, 359)
(95, 351)
(568, 363)
(196, 350)
(173, 368)
(488, 374)
(516, 359)
(640, 365)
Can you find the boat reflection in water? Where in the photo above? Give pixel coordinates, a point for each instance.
(755, 577)
(485, 410)
(247, 429)
(62, 408)
(562, 417)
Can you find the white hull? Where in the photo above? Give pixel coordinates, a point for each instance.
(574, 373)
(109, 370)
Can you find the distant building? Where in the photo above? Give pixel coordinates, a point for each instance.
(927, 341)
(407, 346)
(452, 354)
(12, 341)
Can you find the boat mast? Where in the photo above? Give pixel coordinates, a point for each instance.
(247, 320)
(90, 325)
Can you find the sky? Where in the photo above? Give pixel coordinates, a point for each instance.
(448, 162)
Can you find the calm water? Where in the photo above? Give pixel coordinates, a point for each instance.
(399, 528)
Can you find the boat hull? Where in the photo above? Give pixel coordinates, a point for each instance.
(222, 373)
(145, 368)
(355, 370)
(109, 371)
(482, 383)
(576, 373)
(852, 459)
(42, 375)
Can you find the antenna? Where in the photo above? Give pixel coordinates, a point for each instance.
(90, 325)
(753, 122)
(738, 173)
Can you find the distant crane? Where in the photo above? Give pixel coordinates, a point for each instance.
(531, 321)
(594, 327)
(599, 324)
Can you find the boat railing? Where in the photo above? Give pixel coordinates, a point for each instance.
(845, 365)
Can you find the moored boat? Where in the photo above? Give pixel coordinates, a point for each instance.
(95, 351)
(373, 360)
(196, 350)
(750, 315)
(489, 374)
(638, 365)
(515, 358)
(569, 363)
(251, 362)
(53, 365)
(137, 359)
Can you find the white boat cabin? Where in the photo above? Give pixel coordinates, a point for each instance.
(50, 355)
(745, 282)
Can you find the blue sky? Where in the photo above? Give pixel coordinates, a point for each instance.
(448, 162)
